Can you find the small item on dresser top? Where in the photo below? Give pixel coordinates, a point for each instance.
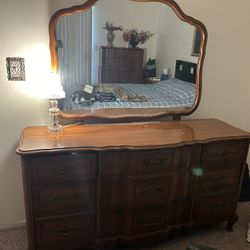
(245, 187)
(104, 96)
(164, 75)
(84, 96)
(151, 80)
(150, 68)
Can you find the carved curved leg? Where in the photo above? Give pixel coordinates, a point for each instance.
(231, 222)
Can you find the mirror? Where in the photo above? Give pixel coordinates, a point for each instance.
(106, 75)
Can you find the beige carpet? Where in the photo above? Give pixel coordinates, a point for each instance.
(215, 236)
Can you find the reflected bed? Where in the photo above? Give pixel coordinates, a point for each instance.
(179, 92)
(172, 93)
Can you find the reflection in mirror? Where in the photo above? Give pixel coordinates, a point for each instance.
(158, 73)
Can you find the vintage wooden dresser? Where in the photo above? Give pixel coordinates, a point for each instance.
(95, 185)
(121, 65)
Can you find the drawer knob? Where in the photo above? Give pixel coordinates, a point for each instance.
(66, 231)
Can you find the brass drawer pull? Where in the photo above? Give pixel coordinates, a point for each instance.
(226, 153)
(66, 231)
(149, 162)
(149, 222)
(63, 170)
(62, 200)
(217, 206)
(152, 192)
(219, 178)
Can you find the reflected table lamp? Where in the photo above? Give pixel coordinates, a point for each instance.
(55, 92)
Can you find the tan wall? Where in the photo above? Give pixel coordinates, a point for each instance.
(226, 83)
(175, 40)
(23, 32)
(104, 11)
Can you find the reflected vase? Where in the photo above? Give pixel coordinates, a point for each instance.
(110, 38)
(133, 44)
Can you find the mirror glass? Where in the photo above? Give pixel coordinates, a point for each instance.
(127, 55)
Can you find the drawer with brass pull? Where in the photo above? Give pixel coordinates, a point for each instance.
(220, 179)
(66, 198)
(224, 154)
(213, 206)
(122, 222)
(134, 192)
(69, 232)
(63, 167)
(138, 162)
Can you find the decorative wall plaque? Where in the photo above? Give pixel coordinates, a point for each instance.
(15, 68)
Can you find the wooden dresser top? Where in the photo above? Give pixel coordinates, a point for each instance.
(147, 135)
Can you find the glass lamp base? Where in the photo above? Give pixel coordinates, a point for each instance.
(55, 128)
(54, 125)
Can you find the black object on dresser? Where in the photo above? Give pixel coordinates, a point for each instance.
(245, 187)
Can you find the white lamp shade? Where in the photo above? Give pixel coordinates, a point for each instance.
(54, 88)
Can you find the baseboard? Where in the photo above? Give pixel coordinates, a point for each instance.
(13, 226)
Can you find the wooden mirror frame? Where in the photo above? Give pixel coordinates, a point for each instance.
(131, 114)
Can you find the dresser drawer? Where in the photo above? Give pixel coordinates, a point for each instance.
(224, 154)
(122, 75)
(213, 206)
(64, 199)
(132, 192)
(124, 223)
(63, 167)
(138, 162)
(65, 233)
(221, 179)
(122, 58)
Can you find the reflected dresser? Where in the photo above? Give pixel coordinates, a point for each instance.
(121, 65)
(90, 186)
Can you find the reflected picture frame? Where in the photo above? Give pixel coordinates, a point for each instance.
(196, 43)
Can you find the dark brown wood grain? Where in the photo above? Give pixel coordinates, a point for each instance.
(90, 186)
(121, 65)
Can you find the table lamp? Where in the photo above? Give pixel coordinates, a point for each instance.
(54, 93)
